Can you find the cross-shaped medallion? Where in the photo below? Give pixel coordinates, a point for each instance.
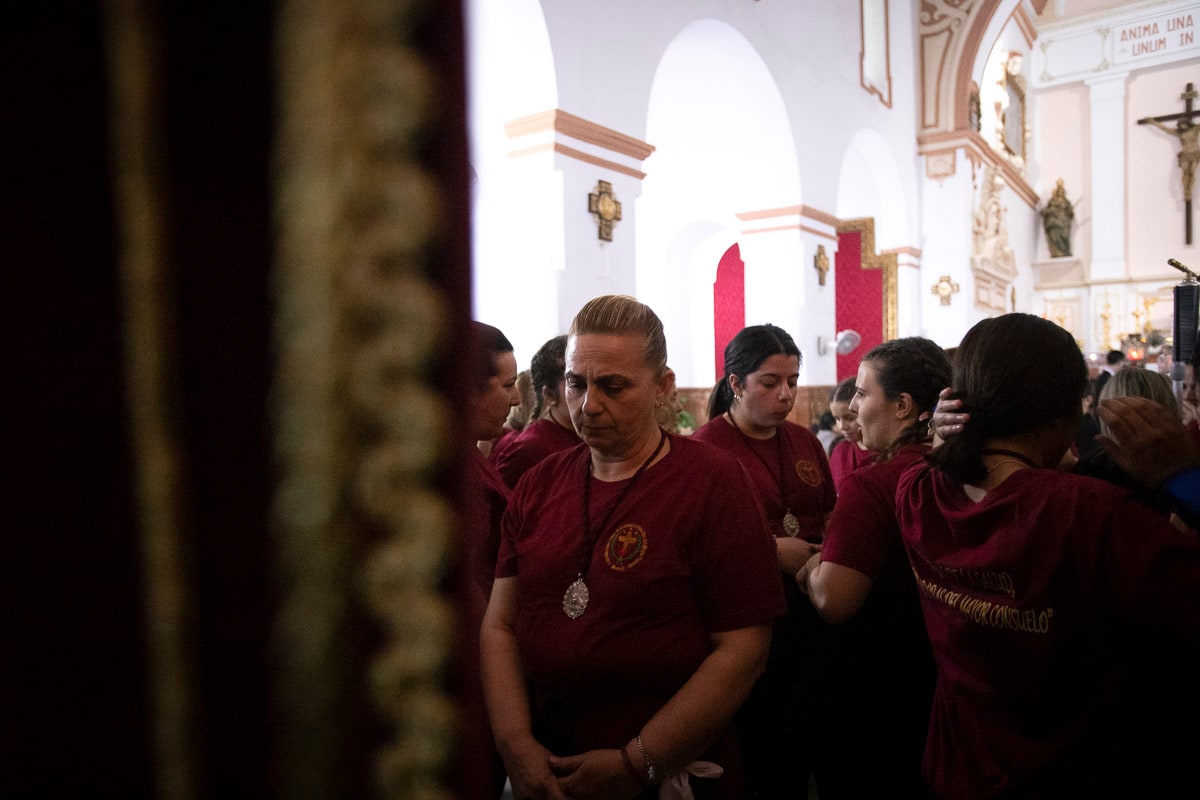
(605, 208)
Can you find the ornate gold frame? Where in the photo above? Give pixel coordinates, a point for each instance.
(887, 262)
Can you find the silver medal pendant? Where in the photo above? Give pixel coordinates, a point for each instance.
(791, 525)
(575, 599)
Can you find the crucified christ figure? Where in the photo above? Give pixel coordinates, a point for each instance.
(1189, 153)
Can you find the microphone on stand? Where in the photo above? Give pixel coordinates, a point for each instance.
(1187, 320)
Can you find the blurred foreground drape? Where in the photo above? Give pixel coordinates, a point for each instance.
(241, 259)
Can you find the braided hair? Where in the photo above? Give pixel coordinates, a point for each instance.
(914, 366)
(546, 369)
(1015, 374)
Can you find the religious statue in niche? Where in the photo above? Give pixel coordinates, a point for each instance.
(1010, 110)
(992, 258)
(1057, 215)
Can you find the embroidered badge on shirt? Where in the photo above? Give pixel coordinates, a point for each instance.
(808, 473)
(625, 547)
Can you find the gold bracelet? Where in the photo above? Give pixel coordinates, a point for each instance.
(651, 772)
(637, 776)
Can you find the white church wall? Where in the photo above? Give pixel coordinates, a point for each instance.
(1154, 185)
(946, 211)
(516, 226)
(777, 290)
(1094, 78)
(784, 80)
(723, 146)
(691, 261)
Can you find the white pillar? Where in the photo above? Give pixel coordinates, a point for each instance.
(1108, 176)
(556, 163)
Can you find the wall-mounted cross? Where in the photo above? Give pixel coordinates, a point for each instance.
(605, 208)
(1187, 131)
(945, 288)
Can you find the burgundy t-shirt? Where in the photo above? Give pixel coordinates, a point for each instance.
(686, 553)
(807, 482)
(863, 532)
(514, 456)
(845, 458)
(878, 665)
(1031, 598)
(486, 497)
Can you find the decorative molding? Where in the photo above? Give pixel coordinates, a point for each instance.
(943, 146)
(1058, 273)
(825, 224)
(1104, 17)
(1025, 25)
(949, 34)
(991, 294)
(886, 262)
(822, 233)
(769, 213)
(883, 93)
(941, 164)
(580, 129)
(817, 215)
(578, 155)
(1130, 36)
(907, 250)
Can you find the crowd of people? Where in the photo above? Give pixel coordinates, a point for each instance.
(951, 598)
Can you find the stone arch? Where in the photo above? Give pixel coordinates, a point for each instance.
(951, 36)
(724, 145)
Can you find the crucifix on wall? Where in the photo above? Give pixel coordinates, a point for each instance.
(1186, 130)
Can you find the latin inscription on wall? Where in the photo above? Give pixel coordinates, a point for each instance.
(1154, 37)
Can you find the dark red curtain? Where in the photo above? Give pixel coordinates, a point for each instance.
(859, 300)
(729, 303)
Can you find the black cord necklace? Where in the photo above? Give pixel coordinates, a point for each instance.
(575, 599)
(791, 525)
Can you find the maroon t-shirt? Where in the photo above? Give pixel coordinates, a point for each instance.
(486, 497)
(797, 456)
(1032, 598)
(686, 553)
(846, 457)
(514, 456)
(863, 532)
(481, 772)
(878, 665)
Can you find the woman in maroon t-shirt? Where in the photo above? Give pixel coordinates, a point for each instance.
(748, 416)
(1058, 606)
(491, 393)
(878, 686)
(635, 589)
(849, 453)
(550, 429)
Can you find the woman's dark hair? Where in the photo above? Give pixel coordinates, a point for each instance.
(744, 354)
(914, 366)
(1015, 374)
(546, 369)
(844, 391)
(488, 342)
